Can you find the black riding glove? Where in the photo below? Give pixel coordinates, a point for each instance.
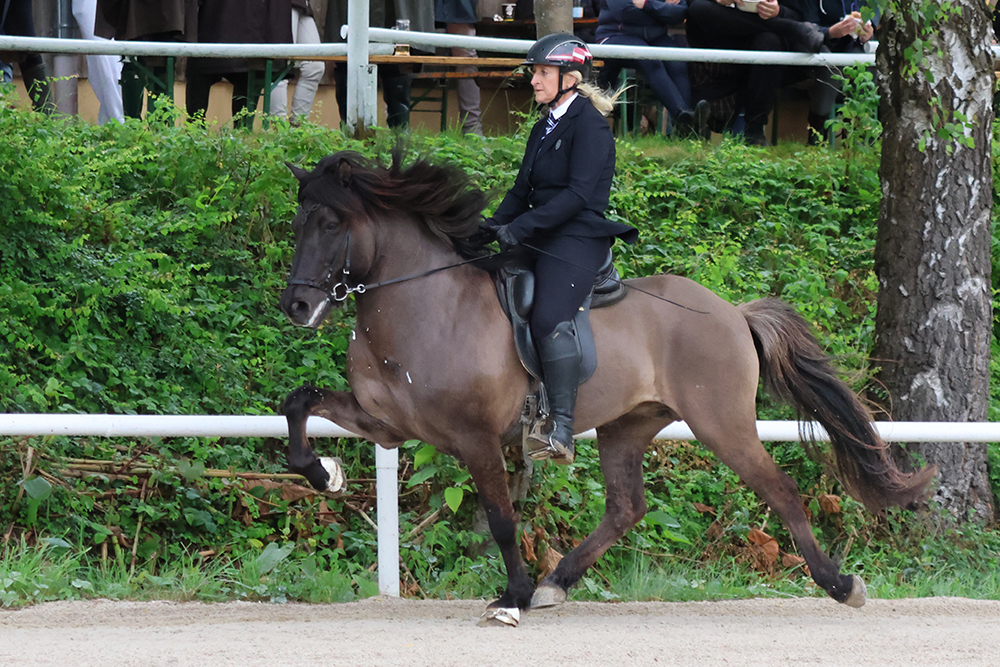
(486, 234)
(506, 238)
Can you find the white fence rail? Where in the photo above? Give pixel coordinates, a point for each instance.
(387, 461)
(179, 49)
(263, 426)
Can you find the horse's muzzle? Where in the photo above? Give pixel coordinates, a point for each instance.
(305, 306)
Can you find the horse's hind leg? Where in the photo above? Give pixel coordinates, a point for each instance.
(741, 450)
(622, 445)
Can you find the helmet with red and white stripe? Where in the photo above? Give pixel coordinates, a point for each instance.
(565, 51)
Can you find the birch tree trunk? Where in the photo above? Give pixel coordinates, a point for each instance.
(553, 16)
(932, 254)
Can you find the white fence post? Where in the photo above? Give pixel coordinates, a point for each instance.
(387, 502)
(361, 85)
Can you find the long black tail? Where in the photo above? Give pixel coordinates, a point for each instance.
(795, 369)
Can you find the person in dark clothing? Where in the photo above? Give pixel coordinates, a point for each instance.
(16, 19)
(728, 24)
(145, 21)
(845, 31)
(647, 23)
(395, 79)
(554, 215)
(233, 21)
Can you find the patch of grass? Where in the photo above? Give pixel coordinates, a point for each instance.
(900, 561)
(41, 573)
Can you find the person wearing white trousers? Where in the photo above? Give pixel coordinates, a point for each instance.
(304, 31)
(104, 72)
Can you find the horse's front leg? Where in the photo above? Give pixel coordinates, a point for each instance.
(489, 472)
(338, 406)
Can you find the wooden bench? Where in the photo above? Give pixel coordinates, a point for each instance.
(436, 72)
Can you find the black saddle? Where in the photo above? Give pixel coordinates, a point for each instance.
(515, 287)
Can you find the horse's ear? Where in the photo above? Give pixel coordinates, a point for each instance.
(296, 171)
(344, 172)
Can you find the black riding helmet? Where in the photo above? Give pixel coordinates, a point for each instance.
(564, 51)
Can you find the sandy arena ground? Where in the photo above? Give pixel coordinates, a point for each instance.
(387, 632)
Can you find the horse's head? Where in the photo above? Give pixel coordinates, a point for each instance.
(332, 251)
(336, 240)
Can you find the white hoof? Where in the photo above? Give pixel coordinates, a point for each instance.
(547, 596)
(332, 466)
(859, 593)
(510, 616)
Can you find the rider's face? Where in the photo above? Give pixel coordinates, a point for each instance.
(545, 81)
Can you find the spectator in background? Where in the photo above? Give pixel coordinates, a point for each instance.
(304, 31)
(234, 22)
(844, 31)
(647, 23)
(459, 17)
(752, 89)
(395, 78)
(16, 19)
(147, 21)
(586, 9)
(103, 72)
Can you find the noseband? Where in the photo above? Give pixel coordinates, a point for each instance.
(342, 289)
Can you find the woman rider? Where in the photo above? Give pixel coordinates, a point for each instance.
(555, 210)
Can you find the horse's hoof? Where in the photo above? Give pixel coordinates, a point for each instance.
(547, 596)
(859, 593)
(336, 472)
(500, 616)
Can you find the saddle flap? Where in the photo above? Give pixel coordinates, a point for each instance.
(515, 288)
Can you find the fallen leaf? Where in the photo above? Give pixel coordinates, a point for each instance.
(704, 509)
(295, 492)
(325, 516)
(528, 544)
(763, 550)
(792, 560)
(829, 503)
(548, 562)
(759, 537)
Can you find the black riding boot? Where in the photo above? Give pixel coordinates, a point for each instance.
(560, 355)
(396, 93)
(37, 84)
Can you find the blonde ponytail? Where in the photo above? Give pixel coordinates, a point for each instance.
(602, 101)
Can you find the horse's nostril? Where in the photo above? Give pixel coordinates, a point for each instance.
(300, 308)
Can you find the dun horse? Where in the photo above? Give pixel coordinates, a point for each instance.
(433, 358)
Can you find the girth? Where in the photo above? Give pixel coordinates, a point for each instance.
(515, 287)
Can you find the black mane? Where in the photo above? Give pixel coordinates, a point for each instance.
(442, 196)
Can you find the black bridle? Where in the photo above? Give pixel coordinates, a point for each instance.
(342, 289)
(339, 291)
